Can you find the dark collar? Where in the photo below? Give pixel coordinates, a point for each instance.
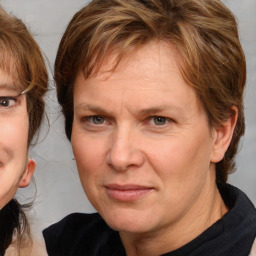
(232, 235)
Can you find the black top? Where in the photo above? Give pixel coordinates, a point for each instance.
(87, 234)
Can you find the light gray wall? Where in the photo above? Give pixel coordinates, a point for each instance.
(58, 187)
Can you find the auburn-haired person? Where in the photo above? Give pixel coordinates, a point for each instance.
(152, 94)
(23, 83)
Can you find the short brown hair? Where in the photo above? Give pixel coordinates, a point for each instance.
(21, 58)
(204, 32)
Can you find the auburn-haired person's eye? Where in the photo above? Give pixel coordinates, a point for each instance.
(7, 102)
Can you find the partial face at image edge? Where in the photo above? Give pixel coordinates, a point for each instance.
(16, 169)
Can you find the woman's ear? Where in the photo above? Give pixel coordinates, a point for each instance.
(27, 174)
(223, 136)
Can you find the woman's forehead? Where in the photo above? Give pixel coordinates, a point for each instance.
(9, 80)
(10, 70)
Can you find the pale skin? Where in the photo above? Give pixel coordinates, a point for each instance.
(145, 152)
(16, 169)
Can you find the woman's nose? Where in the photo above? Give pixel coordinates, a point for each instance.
(124, 151)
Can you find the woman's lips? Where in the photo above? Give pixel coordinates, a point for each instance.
(127, 192)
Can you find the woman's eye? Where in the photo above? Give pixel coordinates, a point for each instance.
(159, 120)
(7, 101)
(97, 119)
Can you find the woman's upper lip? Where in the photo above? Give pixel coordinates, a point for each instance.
(127, 187)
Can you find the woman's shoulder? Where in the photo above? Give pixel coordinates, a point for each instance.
(72, 225)
(75, 233)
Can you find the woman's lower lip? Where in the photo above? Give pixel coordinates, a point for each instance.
(127, 195)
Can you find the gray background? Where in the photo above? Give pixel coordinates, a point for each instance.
(57, 183)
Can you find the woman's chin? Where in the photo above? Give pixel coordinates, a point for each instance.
(129, 220)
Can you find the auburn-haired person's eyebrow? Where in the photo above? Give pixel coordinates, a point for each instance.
(9, 86)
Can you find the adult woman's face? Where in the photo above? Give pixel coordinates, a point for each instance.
(142, 142)
(15, 169)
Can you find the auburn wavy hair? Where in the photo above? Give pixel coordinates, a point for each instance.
(21, 59)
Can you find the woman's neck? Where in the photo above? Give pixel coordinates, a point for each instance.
(209, 208)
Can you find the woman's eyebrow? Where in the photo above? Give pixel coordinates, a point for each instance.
(92, 108)
(9, 86)
(142, 112)
(158, 109)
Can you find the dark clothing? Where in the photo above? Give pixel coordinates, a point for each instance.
(88, 235)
